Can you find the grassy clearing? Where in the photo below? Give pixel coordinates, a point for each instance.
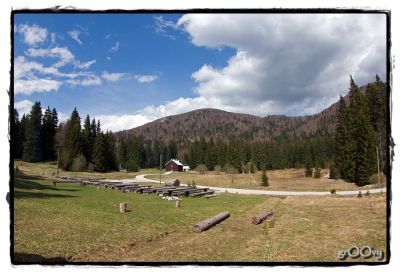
(49, 170)
(285, 180)
(83, 224)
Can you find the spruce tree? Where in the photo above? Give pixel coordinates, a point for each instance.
(49, 128)
(99, 153)
(342, 156)
(72, 142)
(264, 178)
(33, 144)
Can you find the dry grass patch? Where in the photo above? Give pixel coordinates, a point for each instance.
(285, 180)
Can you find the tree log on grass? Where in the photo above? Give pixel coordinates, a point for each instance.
(260, 218)
(204, 225)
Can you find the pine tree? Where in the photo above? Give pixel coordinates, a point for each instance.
(99, 153)
(264, 178)
(72, 141)
(87, 139)
(49, 128)
(33, 143)
(18, 132)
(342, 156)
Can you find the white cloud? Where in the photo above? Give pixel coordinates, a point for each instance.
(30, 86)
(74, 34)
(115, 48)
(32, 34)
(65, 56)
(145, 78)
(162, 27)
(113, 77)
(286, 62)
(84, 65)
(85, 79)
(23, 107)
(119, 122)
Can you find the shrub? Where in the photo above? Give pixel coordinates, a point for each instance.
(229, 169)
(217, 169)
(264, 179)
(367, 193)
(79, 163)
(333, 191)
(317, 172)
(333, 173)
(359, 194)
(201, 168)
(374, 179)
(308, 171)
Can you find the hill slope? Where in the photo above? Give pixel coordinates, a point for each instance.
(214, 123)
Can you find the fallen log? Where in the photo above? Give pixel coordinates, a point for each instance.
(261, 217)
(204, 225)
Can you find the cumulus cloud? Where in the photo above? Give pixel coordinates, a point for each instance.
(289, 63)
(32, 34)
(23, 107)
(119, 122)
(292, 64)
(32, 85)
(145, 78)
(85, 79)
(74, 34)
(113, 77)
(64, 55)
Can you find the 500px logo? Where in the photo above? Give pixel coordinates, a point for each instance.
(365, 252)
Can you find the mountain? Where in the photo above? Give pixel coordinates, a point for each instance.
(214, 123)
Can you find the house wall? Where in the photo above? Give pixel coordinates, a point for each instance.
(171, 166)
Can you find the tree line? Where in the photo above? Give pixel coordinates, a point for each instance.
(350, 152)
(361, 133)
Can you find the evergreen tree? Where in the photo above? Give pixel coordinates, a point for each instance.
(33, 143)
(18, 131)
(264, 178)
(99, 153)
(72, 142)
(342, 156)
(87, 139)
(49, 128)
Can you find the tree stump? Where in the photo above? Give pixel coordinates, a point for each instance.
(177, 204)
(122, 207)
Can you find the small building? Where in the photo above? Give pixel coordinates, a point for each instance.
(173, 165)
(186, 168)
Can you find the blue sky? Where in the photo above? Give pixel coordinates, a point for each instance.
(129, 69)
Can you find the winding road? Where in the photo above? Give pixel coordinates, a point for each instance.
(141, 179)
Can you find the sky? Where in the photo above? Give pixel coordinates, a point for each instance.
(130, 69)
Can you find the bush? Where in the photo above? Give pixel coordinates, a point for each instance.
(132, 166)
(201, 168)
(317, 172)
(79, 163)
(374, 179)
(264, 179)
(309, 171)
(359, 194)
(333, 191)
(367, 193)
(333, 173)
(229, 169)
(217, 169)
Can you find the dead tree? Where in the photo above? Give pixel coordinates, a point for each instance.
(204, 225)
(260, 218)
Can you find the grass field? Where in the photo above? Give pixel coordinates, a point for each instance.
(49, 170)
(80, 224)
(285, 180)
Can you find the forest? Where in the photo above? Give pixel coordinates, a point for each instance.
(352, 152)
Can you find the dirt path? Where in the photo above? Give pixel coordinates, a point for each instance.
(141, 179)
